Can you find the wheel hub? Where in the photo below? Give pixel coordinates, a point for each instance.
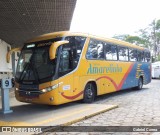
(89, 93)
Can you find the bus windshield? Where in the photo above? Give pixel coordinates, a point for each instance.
(34, 64)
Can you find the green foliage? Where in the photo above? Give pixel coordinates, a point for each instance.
(134, 39)
(121, 37)
(158, 59)
(158, 25)
(149, 37)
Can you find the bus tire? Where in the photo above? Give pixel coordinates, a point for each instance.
(89, 93)
(140, 83)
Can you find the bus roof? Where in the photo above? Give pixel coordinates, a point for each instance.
(69, 33)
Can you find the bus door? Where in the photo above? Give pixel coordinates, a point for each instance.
(66, 76)
(69, 59)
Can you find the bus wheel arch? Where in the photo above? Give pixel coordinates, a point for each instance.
(90, 92)
(140, 83)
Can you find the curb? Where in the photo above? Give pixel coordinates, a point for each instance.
(79, 119)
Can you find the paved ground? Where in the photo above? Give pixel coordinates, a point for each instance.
(136, 108)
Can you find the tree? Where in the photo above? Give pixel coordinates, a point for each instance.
(155, 37)
(145, 37)
(135, 40)
(121, 37)
(131, 39)
(148, 37)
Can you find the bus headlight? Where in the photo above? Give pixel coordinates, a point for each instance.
(49, 88)
(44, 90)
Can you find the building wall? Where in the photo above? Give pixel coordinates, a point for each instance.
(5, 68)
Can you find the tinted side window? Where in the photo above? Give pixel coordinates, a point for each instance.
(110, 52)
(76, 44)
(123, 53)
(143, 57)
(66, 62)
(132, 55)
(139, 56)
(70, 54)
(147, 56)
(95, 50)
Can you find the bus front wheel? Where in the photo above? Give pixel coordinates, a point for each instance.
(140, 83)
(89, 93)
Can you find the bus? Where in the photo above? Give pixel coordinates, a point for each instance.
(62, 67)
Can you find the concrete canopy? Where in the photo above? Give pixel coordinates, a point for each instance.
(21, 20)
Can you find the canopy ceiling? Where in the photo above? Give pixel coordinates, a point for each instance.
(21, 20)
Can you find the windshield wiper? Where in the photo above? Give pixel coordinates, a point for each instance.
(26, 66)
(34, 72)
(27, 70)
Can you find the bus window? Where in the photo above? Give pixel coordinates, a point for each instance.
(65, 65)
(76, 43)
(143, 57)
(70, 54)
(24, 59)
(147, 56)
(139, 56)
(123, 53)
(41, 58)
(132, 55)
(111, 52)
(95, 50)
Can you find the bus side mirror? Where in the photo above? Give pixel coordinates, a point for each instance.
(10, 53)
(53, 48)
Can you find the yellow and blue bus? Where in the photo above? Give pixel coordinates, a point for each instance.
(62, 67)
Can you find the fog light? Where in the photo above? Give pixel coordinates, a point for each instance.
(51, 98)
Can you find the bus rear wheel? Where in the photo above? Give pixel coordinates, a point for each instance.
(89, 93)
(140, 83)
